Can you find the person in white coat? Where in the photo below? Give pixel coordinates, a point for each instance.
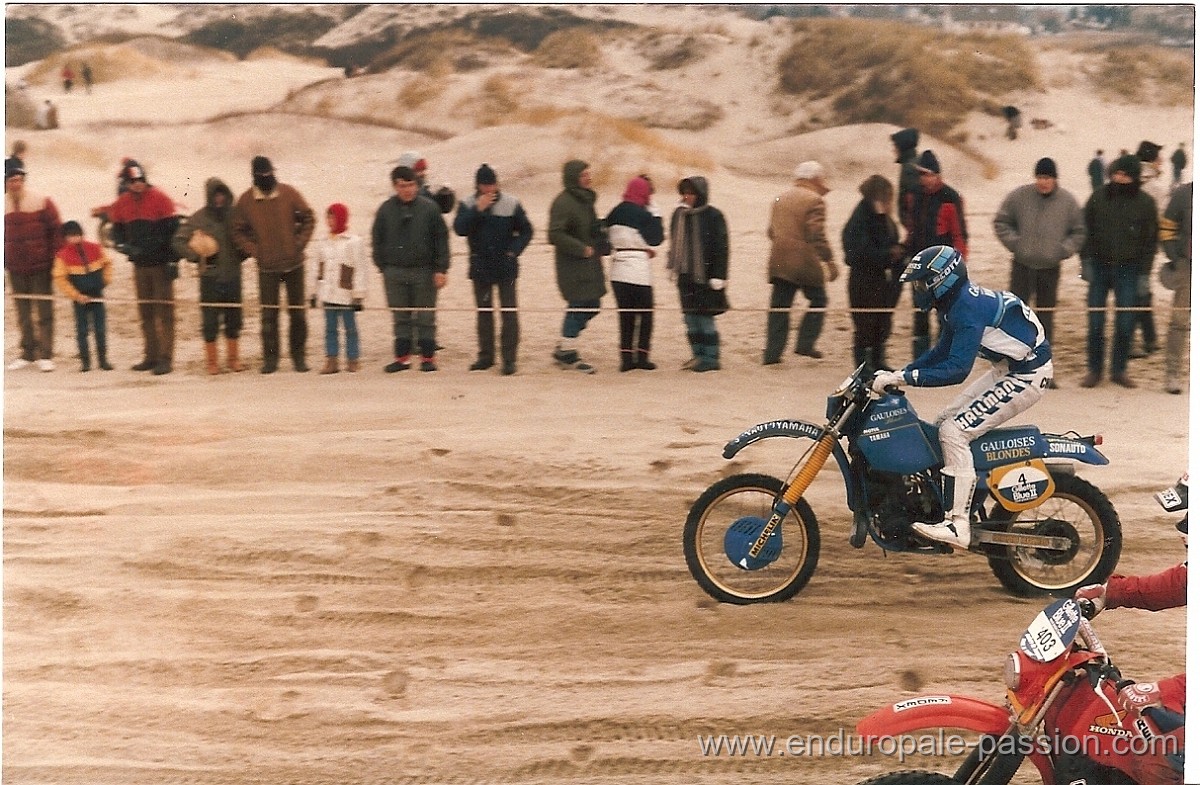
(338, 280)
(635, 229)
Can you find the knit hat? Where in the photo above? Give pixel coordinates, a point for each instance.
(413, 160)
(809, 170)
(261, 165)
(1148, 151)
(906, 139)
(637, 191)
(341, 217)
(13, 168)
(1045, 168)
(928, 162)
(71, 228)
(485, 175)
(1129, 164)
(133, 172)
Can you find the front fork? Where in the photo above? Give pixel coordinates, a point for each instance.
(794, 490)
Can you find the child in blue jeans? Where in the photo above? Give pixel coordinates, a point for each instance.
(338, 282)
(81, 271)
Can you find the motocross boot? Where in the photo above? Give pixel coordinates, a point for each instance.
(955, 530)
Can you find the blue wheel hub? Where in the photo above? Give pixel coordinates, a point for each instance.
(741, 537)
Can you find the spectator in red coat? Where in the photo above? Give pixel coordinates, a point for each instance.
(32, 231)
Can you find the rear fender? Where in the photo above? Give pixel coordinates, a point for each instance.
(792, 429)
(934, 711)
(1076, 449)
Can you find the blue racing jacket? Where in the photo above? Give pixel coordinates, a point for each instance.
(996, 326)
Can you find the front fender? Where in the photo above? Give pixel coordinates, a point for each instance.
(794, 429)
(934, 711)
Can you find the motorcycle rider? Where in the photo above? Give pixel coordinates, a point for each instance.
(1167, 589)
(975, 321)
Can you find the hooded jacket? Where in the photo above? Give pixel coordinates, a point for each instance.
(799, 246)
(1040, 230)
(31, 233)
(699, 253)
(574, 227)
(226, 265)
(81, 270)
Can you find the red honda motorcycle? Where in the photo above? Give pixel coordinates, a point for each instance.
(1061, 715)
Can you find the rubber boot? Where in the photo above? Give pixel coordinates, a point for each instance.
(210, 358)
(233, 361)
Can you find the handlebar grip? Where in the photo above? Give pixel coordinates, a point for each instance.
(1088, 609)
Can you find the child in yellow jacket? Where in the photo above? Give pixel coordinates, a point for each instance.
(81, 271)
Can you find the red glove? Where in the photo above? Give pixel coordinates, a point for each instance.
(1136, 698)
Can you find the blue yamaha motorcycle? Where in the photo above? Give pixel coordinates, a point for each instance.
(753, 538)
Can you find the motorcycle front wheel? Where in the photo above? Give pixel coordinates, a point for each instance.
(734, 499)
(1078, 511)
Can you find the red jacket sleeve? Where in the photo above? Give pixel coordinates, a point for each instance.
(949, 222)
(1167, 589)
(1174, 693)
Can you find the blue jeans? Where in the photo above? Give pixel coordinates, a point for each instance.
(579, 313)
(1121, 280)
(345, 315)
(703, 337)
(91, 314)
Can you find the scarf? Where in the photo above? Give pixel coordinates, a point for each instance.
(686, 255)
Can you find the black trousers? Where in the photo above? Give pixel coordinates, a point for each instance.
(636, 304)
(485, 320)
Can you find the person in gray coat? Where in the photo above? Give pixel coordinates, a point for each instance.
(411, 247)
(1041, 224)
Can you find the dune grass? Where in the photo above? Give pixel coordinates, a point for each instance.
(1141, 73)
(571, 48)
(905, 75)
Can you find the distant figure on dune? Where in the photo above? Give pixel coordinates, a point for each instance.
(88, 78)
(68, 78)
(46, 118)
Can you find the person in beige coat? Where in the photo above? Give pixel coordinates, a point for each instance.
(801, 260)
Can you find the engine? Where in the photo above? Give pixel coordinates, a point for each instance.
(899, 500)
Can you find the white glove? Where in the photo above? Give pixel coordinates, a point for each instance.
(885, 379)
(1095, 592)
(716, 284)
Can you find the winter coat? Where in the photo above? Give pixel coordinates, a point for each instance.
(410, 235)
(143, 226)
(338, 274)
(273, 228)
(702, 231)
(799, 247)
(1175, 226)
(1040, 230)
(1122, 227)
(633, 231)
(31, 233)
(939, 218)
(496, 238)
(226, 265)
(573, 227)
(868, 239)
(82, 270)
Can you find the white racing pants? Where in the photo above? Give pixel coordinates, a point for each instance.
(986, 403)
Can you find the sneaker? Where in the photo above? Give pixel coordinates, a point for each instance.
(583, 367)
(428, 364)
(481, 365)
(144, 365)
(705, 365)
(45, 366)
(397, 365)
(18, 364)
(945, 532)
(1091, 380)
(1124, 381)
(689, 364)
(508, 368)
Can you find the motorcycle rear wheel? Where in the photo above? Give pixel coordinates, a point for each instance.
(1077, 510)
(911, 778)
(720, 506)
